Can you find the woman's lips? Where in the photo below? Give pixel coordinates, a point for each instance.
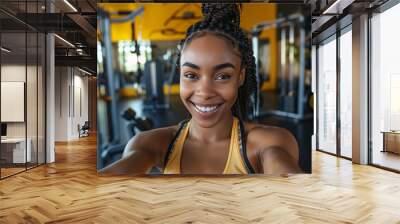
(206, 108)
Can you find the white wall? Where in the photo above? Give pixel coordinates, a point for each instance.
(81, 103)
(61, 103)
(71, 94)
(13, 73)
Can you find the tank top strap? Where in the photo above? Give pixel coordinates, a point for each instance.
(172, 143)
(234, 163)
(243, 149)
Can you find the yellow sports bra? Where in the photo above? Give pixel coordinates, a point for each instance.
(237, 162)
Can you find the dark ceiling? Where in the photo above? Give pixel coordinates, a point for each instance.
(72, 20)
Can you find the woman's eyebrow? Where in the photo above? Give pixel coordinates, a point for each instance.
(224, 65)
(216, 67)
(191, 65)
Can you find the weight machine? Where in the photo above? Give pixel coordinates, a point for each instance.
(154, 83)
(292, 99)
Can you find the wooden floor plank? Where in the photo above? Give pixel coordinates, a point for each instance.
(69, 191)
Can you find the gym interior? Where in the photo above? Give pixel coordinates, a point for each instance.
(327, 71)
(147, 92)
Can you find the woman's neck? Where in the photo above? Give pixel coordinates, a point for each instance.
(220, 131)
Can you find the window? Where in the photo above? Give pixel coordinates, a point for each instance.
(327, 95)
(346, 92)
(385, 88)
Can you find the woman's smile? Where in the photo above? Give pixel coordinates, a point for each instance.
(206, 109)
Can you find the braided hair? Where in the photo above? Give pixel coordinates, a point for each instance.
(223, 19)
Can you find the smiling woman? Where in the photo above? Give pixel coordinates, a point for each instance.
(217, 77)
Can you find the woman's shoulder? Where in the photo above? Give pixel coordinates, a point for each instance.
(154, 141)
(255, 131)
(157, 137)
(163, 133)
(260, 137)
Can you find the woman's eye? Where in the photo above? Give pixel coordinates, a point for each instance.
(190, 76)
(223, 77)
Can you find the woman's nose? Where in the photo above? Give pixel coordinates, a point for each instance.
(205, 88)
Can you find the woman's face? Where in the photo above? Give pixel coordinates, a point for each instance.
(210, 78)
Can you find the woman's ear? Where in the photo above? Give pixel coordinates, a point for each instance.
(242, 76)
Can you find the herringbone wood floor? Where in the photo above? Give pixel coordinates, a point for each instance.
(70, 191)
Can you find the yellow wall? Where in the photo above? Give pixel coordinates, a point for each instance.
(120, 31)
(254, 13)
(151, 22)
(148, 25)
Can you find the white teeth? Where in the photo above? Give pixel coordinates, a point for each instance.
(206, 109)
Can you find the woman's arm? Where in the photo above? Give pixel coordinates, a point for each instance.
(276, 161)
(138, 158)
(278, 151)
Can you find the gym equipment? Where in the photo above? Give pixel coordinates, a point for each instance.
(136, 124)
(157, 77)
(154, 82)
(84, 130)
(292, 99)
(173, 77)
(109, 134)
